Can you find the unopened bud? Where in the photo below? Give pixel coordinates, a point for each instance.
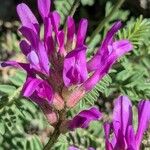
(58, 102)
(51, 116)
(75, 97)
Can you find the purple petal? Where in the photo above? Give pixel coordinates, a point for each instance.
(48, 39)
(45, 91)
(143, 120)
(27, 17)
(30, 86)
(25, 47)
(106, 48)
(95, 78)
(33, 58)
(44, 8)
(99, 74)
(43, 58)
(61, 38)
(108, 145)
(91, 148)
(15, 64)
(83, 119)
(75, 70)
(116, 50)
(73, 148)
(101, 69)
(38, 89)
(31, 36)
(131, 139)
(81, 34)
(121, 47)
(120, 141)
(122, 114)
(95, 63)
(103, 50)
(47, 28)
(70, 28)
(55, 20)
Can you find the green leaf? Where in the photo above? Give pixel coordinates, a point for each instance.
(136, 32)
(2, 127)
(37, 144)
(18, 79)
(62, 143)
(8, 89)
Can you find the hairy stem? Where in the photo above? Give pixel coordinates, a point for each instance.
(106, 19)
(54, 137)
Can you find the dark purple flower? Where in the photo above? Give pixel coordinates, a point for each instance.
(124, 137)
(83, 119)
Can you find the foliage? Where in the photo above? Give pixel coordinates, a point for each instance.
(20, 119)
(89, 137)
(67, 4)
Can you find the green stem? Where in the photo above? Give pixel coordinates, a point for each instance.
(106, 19)
(54, 137)
(15, 94)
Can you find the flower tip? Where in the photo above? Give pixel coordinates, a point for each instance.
(3, 64)
(21, 4)
(44, 8)
(72, 148)
(118, 24)
(97, 113)
(84, 118)
(84, 23)
(20, 7)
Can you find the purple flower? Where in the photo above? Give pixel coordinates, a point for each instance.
(42, 94)
(59, 57)
(106, 56)
(75, 148)
(38, 87)
(83, 119)
(124, 137)
(75, 71)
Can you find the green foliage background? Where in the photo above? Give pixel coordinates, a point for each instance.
(22, 125)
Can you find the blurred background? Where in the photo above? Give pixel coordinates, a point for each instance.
(137, 7)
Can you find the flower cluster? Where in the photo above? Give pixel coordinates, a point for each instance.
(58, 73)
(57, 69)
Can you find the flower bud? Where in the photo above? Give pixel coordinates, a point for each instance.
(58, 102)
(75, 97)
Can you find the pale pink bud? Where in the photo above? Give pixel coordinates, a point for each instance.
(58, 102)
(75, 97)
(51, 116)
